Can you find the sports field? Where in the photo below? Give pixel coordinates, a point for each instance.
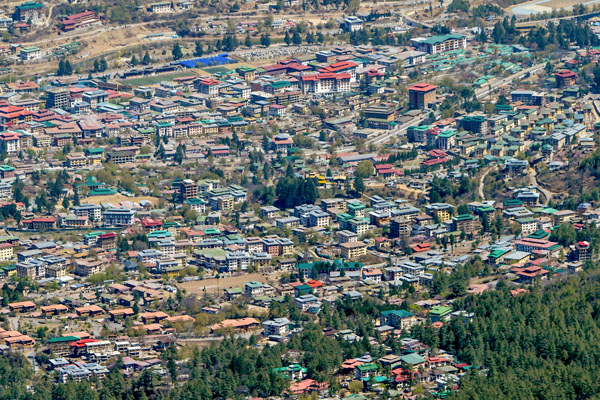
(152, 80)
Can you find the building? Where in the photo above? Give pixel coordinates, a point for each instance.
(380, 117)
(118, 217)
(209, 87)
(353, 250)
(161, 7)
(276, 327)
(441, 211)
(29, 12)
(441, 44)
(92, 211)
(79, 20)
(57, 98)
(565, 78)
(583, 251)
(325, 83)
(421, 95)
(30, 53)
(399, 319)
(400, 227)
(464, 223)
(186, 189)
(352, 24)
(474, 123)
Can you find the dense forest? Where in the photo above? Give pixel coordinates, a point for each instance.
(542, 345)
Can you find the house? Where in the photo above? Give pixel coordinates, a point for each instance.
(366, 370)
(276, 327)
(373, 275)
(353, 250)
(399, 319)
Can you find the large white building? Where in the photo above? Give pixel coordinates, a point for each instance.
(325, 83)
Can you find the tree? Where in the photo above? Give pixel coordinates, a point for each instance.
(179, 154)
(134, 60)
(68, 68)
(564, 234)
(146, 60)
(287, 39)
(296, 39)
(364, 169)
(359, 185)
(61, 68)
(248, 41)
(18, 195)
(265, 40)
(76, 201)
(103, 65)
(176, 52)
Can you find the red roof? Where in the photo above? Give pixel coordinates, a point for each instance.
(339, 66)
(107, 235)
(564, 73)
(422, 87)
(329, 75)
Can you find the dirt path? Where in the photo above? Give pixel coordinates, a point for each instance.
(482, 184)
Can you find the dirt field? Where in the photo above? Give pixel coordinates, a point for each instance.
(118, 198)
(561, 3)
(212, 285)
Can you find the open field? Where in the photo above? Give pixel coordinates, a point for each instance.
(212, 285)
(540, 6)
(118, 198)
(152, 80)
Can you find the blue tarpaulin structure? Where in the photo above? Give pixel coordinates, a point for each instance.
(207, 61)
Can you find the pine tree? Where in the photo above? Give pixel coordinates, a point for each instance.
(76, 200)
(248, 41)
(287, 39)
(61, 68)
(176, 52)
(146, 60)
(199, 52)
(68, 68)
(296, 39)
(134, 60)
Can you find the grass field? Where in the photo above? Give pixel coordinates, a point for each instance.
(152, 80)
(216, 70)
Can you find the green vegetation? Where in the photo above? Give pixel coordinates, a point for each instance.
(535, 346)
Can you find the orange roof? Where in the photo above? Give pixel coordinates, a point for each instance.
(81, 335)
(181, 318)
(121, 311)
(22, 304)
(235, 323)
(55, 307)
(89, 309)
(155, 315)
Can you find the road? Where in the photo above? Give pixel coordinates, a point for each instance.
(479, 93)
(394, 132)
(481, 182)
(532, 174)
(497, 82)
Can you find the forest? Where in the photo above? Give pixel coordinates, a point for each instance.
(541, 345)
